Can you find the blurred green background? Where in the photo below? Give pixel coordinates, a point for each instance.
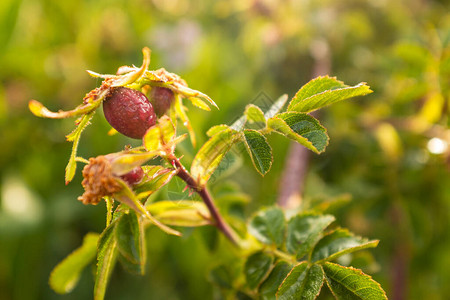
(389, 151)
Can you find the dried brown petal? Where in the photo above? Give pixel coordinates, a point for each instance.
(98, 181)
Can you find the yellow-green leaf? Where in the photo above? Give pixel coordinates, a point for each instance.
(211, 153)
(254, 114)
(180, 213)
(65, 275)
(323, 91)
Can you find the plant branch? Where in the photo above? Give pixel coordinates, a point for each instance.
(203, 192)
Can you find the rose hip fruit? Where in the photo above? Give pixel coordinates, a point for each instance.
(134, 176)
(161, 99)
(129, 112)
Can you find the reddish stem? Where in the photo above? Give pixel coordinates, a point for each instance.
(207, 199)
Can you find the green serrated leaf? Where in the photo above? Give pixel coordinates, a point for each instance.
(211, 153)
(268, 289)
(303, 282)
(74, 136)
(276, 107)
(216, 129)
(268, 226)
(106, 259)
(350, 283)
(254, 114)
(338, 243)
(180, 213)
(257, 268)
(323, 91)
(259, 150)
(303, 232)
(130, 237)
(65, 275)
(302, 128)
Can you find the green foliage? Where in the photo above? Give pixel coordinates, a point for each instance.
(282, 264)
(268, 226)
(303, 282)
(66, 274)
(303, 231)
(259, 150)
(324, 91)
(349, 283)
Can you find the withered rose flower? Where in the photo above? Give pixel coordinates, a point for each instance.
(98, 181)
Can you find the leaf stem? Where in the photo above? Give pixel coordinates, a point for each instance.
(203, 192)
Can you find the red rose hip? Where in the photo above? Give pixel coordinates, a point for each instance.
(134, 176)
(162, 99)
(129, 112)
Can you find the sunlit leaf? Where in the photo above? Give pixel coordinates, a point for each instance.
(151, 184)
(180, 213)
(124, 163)
(215, 129)
(323, 91)
(127, 197)
(39, 110)
(257, 268)
(254, 114)
(160, 134)
(74, 136)
(350, 283)
(339, 242)
(276, 107)
(134, 75)
(303, 282)
(181, 113)
(106, 259)
(239, 124)
(130, 237)
(269, 287)
(65, 275)
(199, 103)
(259, 150)
(268, 226)
(301, 128)
(211, 153)
(303, 232)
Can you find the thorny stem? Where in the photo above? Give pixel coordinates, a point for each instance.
(202, 191)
